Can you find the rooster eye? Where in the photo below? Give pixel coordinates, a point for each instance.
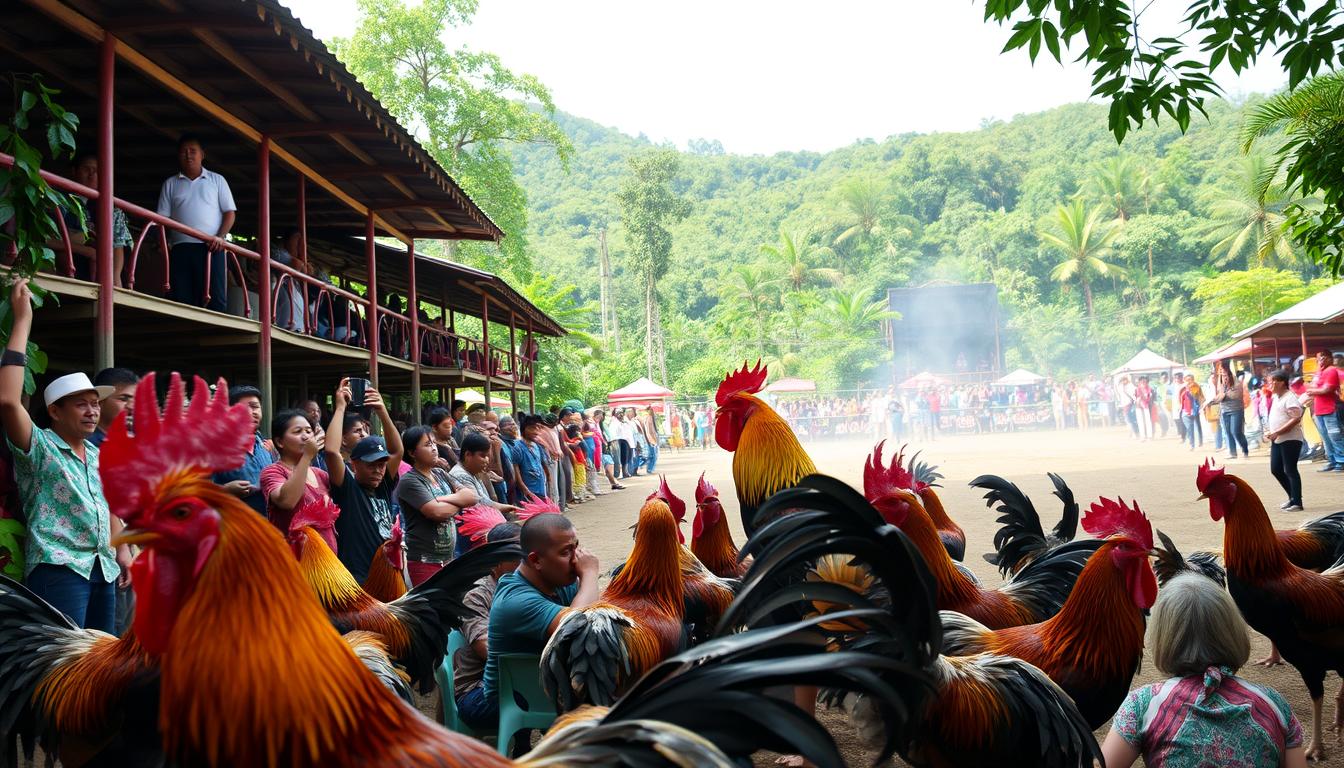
(181, 512)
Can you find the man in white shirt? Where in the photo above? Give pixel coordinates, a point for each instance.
(202, 200)
(1284, 429)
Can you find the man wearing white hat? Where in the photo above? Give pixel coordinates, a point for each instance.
(69, 559)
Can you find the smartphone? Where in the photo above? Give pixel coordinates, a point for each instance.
(358, 387)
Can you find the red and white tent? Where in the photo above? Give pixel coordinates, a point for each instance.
(640, 391)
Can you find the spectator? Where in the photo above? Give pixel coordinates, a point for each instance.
(459, 415)
(291, 309)
(122, 381)
(474, 464)
(292, 481)
(546, 436)
(529, 460)
(1143, 408)
(648, 424)
(367, 507)
(501, 465)
(443, 427)
(1192, 403)
(564, 466)
(604, 449)
(245, 481)
(202, 200)
(83, 241)
(556, 573)
(1283, 428)
(592, 461)
(623, 442)
(469, 662)
(1230, 396)
(573, 437)
(354, 427)
(68, 555)
(1324, 391)
(508, 436)
(429, 502)
(1204, 714)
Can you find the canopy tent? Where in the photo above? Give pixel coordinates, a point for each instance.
(1019, 378)
(924, 379)
(640, 390)
(1147, 361)
(792, 385)
(1240, 348)
(1319, 315)
(470, 396)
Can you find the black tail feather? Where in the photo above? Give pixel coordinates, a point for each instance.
(1020, 535)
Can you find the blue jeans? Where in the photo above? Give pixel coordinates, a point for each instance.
(1193, 427)
(650, 458)
(477, 711)
(1328, 426)
(1234, 432)
(91, 603)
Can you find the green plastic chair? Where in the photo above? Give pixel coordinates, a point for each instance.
(519, 674)
(444, 677)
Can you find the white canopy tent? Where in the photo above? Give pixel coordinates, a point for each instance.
(1019, 378)
(1147, 361)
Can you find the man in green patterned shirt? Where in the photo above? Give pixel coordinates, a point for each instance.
(69, 557)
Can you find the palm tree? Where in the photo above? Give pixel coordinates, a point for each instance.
(793, 255)
(749, 292)
(862, 201)
(1119, 185)
(1085, 243)
(1178, 321)
(1248, 219)
(855, 315)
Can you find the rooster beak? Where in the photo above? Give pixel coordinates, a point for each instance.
(1202, 497)
(134, 536)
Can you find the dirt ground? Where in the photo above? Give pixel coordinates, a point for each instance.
(1159, 474)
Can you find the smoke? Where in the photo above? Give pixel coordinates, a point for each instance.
(946, 329)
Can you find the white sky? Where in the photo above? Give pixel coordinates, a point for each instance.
(764, 77)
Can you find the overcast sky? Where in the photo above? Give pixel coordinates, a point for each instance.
(764, 77)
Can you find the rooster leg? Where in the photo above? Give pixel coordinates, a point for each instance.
(805, 698)
(1316, 749)
(1338, 724)
(1273, 659)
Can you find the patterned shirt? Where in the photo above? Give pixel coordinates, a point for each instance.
(1217, 720)
(68, 519)
(468, 668)
(121, 231)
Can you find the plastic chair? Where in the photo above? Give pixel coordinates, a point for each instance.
(519, 674)
(444, 677)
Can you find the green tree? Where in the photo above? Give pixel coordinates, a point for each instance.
(749, 293)
(850, 323)
(467, 104)
(1247, 219)
(1234, 301)
(648, 207)
(564, 361)
(794, 254)
(1312, 120)
(1117, 183)
(861, 200)
(1084, 242)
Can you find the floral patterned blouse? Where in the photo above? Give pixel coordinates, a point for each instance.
(68, 520)
(1216, 720)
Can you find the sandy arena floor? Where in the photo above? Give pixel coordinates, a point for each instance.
(1159, 474)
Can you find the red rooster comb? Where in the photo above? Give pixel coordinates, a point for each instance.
(1116, 518)
(745, 380)
(397, 535)
(1207, 474)
(536, 506)
(209, 436)
(703, 490)
(678, 507)
(879, 481)
(319, 514)
(476, 522)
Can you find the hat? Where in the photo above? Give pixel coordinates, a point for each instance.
(371, 448)
(72, 383)
(475, 407)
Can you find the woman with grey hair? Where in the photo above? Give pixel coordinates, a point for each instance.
(1204, 714)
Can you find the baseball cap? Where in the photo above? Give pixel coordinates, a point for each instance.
(72, 383)
(371, 448)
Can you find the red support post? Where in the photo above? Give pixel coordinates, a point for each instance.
(485, 344)
(106, 280)
(264, 281)
(513, 361)
(369, 256)
(531, 372)
(413, 310)
(309, 318)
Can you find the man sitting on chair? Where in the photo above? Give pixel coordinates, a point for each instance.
(469, 661)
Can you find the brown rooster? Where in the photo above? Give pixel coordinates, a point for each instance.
(711, 539)
(293, 694)
(1032, 595)
(767, 457)
(386, 581)
(1093, 646)
(1020, 539)
(924, 478)
(1299, 610)
(707, 594)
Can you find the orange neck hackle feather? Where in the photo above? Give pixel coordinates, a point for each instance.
(769, 457)
(339, 594)
(385, 582)
(1251, 548)
(955, 591)
(934, 506)
(77, 697)
(715, 548)
(653, 571)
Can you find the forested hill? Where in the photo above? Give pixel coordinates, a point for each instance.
(961, 207)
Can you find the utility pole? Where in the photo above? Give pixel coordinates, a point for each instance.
(609, 318)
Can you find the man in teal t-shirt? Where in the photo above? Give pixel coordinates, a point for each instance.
(556, 574)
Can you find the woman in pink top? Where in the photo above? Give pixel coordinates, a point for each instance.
(292, 482)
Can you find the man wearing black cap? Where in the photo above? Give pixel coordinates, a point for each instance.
(365, 488)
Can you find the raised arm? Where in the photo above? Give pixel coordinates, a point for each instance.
(395, 449)
(18, 425)
(331, 443)
(288, 495)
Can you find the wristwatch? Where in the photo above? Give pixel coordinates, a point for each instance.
(10, 357)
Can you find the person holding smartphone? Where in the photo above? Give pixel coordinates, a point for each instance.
(364, 488)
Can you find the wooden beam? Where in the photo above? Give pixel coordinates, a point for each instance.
(217, 44)
(292, 130)
(172, 22)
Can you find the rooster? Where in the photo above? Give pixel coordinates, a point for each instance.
(1021, 538)
(1032, 595)
(385, 581)
(1093, 646)
(295, 695)
(707, 595)
(711, 539)
(1315, 544)
(414, 627)
(599, 650)
(924, 478)
(986, 709)
(1300, 610)
(767, 457)
(1169, 563)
